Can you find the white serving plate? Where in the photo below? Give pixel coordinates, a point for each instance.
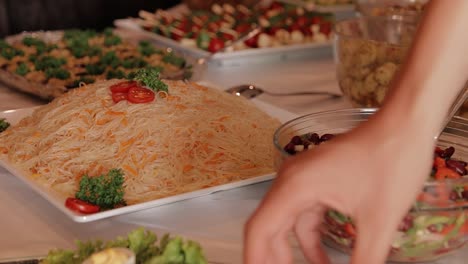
(231, 58)
(14, 116)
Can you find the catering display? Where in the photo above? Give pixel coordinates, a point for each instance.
(436, 225)
(116, 143)
(139, 246)
(226, 31)
(48, 64)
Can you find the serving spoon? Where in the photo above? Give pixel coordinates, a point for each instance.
(250, 91)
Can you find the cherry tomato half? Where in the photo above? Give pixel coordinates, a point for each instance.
(215, 45)
(123, 87)
(117, 97)
(139, 95)
(81, 206)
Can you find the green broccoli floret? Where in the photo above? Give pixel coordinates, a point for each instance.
(3, 124)
(58, 73)
(150, 77)
(22, 69)
(106, 191)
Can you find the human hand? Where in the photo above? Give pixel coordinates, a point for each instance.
(371, 174)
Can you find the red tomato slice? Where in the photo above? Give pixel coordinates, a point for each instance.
(123, 87)
(140, 95)
(117, 97)
(81, 206)
(215, 45)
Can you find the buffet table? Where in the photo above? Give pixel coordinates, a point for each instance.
(30, 226)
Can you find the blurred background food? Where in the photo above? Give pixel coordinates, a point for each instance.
(390, 7)
(31, 15)
(369, 51)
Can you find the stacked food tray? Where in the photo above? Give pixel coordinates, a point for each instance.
(237, 35)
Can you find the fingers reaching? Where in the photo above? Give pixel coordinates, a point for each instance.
(307, 230)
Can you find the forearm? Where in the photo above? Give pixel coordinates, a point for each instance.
(435, 71)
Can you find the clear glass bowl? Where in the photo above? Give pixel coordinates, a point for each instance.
(368, 52)
(435, 226)
(390, 7)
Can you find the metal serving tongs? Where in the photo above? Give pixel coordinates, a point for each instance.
(461, 98)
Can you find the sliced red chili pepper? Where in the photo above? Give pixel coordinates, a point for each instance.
(349, 228)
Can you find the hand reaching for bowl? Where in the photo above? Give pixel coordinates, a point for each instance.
(374, 172)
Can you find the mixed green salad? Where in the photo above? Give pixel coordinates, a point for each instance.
(143, 243)
(437, 225)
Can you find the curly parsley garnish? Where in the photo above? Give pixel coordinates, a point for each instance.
(151, 78)
(106, 191)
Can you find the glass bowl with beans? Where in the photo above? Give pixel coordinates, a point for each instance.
(368, 52)
(436, 225)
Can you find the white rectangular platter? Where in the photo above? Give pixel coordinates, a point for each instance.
(232, 58)
(14, 116)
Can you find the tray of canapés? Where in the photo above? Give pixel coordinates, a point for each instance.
(49, 63)
(226, 31)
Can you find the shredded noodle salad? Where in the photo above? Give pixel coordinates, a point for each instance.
(195, 137)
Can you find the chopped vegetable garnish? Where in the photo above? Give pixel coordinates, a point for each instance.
(150, 77)
(58, 73)
(173, 59)
(3, 124)
(95, 69)
(48, 62)
(143, 243)
(22, 69)
(106, 190)
(112, 40)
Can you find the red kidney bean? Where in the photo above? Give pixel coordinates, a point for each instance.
(290, 148)
(433, 229)
(326, 137)
(296, 140)
(454, 196)
(406, 224)
(314, 138)
(448, 152)
(438, 151)
(456, 166)
(465, 194)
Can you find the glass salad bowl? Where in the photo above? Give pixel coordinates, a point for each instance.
(436, 225)
(368, 52)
